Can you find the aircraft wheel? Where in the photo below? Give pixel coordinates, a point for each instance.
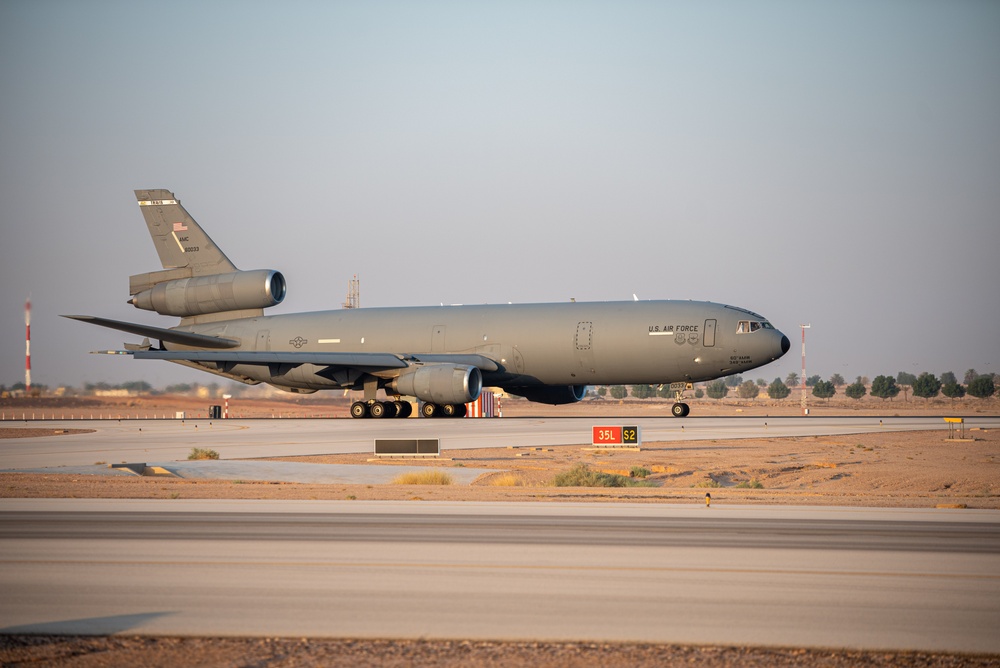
(687, 409)
(448, 410)
(404, 409)
(679, 410)
(377, 410)
(359, 409)
(429, 410)
(460, 410)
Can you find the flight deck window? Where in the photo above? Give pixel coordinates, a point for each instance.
(747, 326)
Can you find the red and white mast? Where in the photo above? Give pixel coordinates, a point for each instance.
(27, 346)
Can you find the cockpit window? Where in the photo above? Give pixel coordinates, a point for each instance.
(747, 326)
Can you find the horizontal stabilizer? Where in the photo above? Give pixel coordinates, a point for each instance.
(171, 335)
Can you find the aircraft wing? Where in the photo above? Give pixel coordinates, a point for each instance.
(369, 361)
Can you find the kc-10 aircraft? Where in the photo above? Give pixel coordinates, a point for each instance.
(441, 355)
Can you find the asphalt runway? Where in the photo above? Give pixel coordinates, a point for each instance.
(163, 441)
(813, 577)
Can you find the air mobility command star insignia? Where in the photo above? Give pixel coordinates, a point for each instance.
(298, 341)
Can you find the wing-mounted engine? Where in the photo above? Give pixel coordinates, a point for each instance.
(551, 394)
(444, 384)
(175, 292)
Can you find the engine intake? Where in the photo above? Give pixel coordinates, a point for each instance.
(440, 383)
(198, 295)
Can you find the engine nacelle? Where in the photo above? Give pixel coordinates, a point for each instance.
(440, 383)
(198, 295)
(551, 394)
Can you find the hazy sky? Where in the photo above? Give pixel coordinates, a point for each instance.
(836, 163)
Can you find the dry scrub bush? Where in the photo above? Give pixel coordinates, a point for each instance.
(432, 477)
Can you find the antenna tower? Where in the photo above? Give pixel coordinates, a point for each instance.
(27, 346)
(353, 293)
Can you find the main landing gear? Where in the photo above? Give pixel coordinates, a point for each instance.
(444, 410)
(381, 409)
(680, 409)
(403, 409)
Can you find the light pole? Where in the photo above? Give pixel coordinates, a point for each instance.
(805, 411)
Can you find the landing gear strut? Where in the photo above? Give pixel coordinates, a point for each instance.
(679, 409)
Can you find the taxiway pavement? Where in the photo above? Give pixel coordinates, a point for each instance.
(794, 576)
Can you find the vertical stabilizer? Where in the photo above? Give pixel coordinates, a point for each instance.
(180, 242)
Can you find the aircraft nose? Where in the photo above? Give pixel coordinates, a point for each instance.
(785, 344)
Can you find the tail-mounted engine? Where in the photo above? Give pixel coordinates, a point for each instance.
(199, 295)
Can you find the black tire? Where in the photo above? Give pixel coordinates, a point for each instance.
(377, 410)
(448, 410)
(404, 409)
(359, 409)
(461, 410)
(687, 410)
(429, 410)
(677, 410)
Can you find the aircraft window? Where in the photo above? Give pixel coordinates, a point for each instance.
(754, 326)
(767, 325)
(743, 327)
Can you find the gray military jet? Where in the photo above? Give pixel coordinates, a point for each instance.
(441, 355)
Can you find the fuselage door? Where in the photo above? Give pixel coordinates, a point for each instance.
(437, 339)
(709, 339)
(263, 340)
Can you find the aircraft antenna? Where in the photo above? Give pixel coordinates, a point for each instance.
(353, 293)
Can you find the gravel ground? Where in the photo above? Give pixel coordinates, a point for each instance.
(85, 652)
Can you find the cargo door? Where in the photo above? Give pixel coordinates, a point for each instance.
(584, 344)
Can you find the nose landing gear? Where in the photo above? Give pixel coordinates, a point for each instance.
(679, 409)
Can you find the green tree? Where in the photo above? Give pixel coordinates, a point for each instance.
(792, 379)
(618, 392)
(734, 381)
(837, 380)
(824, 389)
(778, 390)
(643, 391)
(856, 390)
(699, 393)
(952, 390)
(948, 377)
(970, 375)
(812, 380)
(884, 387)
(926, 385)
(982, 387)
(717, 389)
(602, 391)
(904, 378)
(761, 382)
(748, 390)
